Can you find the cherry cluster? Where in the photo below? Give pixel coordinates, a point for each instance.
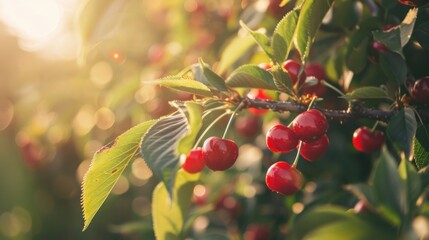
(308, 134)
(217, 154)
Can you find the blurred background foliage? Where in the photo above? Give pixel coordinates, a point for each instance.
(72, 78)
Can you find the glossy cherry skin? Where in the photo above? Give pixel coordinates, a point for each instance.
(420, 90)
(315, 70)
(283, 178)
(281, 139)
(257, 232)
(248, 126)
(194, 162)
(292, 67)
(364, 140)
(219, 154)
(413, 3)
(258, 94)
(314, 150)
(310, 125)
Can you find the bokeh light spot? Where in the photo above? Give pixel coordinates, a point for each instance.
(104, 118)
(101, 73)
(121, 186)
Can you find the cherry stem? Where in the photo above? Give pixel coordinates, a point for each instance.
(232, 117)
(326, 83)
(375, 126)
(295, 162)
(208, 128)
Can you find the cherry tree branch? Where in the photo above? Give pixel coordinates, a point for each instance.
(335, 115)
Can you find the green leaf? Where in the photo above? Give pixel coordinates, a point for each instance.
(350, 230)
(421, 34)
(421, 146)
(394, 66)
(107, 166)
(367, 93)
(389, 3)
(282, 80)
(357, 51)
(310, 18)
(412, 183)
(215, 80)
(388, 189)
(183, 84)
(194, 115)
(345, 14)
(402, 129)
(261, 39)
(282, 40)
(159, 147)
(312, 219)
(398, 37)
(169, 215)
(234, 51)
(363, 191)
(251, 76)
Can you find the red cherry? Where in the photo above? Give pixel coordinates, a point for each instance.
(310, 125)
(413, 3)
(379, 47)
(281, 139)
(283, 178)
(248, 126)
(420, 90)
(315, 70)
(219, 154)
(314, 150)
(257, 232)
(364, 140)
(292, 67)
(258, 94)
(194, 162)
(265, 66)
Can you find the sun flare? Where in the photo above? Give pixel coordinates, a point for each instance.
(34, 22)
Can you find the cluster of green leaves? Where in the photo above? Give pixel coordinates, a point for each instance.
(391, 203)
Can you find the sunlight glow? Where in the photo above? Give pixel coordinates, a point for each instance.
(34, 22)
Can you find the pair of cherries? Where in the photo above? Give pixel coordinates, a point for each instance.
(309, 127)
(217, 154)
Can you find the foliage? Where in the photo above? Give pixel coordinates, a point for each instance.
(370, 69)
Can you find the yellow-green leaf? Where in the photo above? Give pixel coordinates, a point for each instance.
(194, 116)
(182, 84)
(107, 166)
(169, 215)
